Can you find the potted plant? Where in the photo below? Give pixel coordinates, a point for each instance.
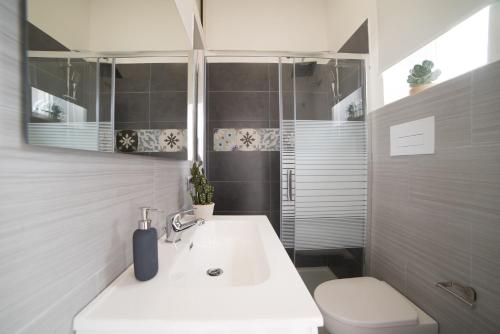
(422, 76)
(202, 193)
(55, 112)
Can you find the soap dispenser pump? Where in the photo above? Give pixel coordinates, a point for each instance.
(145, 245)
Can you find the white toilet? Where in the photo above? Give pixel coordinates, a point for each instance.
(365, 305)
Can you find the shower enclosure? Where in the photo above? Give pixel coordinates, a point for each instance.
(64, 109)
(118, 103)
(323, 162)
(287, 138)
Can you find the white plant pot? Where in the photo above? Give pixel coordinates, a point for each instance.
(204, 211)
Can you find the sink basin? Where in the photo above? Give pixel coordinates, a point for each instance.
(256, 291)
(242, 259)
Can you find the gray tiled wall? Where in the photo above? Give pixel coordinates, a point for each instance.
(150, 96)
(66, 217)
(437, 217)
(243, 96)
(246, 95)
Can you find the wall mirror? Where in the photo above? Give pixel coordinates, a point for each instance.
(108, 75)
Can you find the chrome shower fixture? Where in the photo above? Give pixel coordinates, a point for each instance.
(72, 81)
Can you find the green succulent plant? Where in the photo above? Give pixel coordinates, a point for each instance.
(423, 74)
(55, 112)
(202, 192)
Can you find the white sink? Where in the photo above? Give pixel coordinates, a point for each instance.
(259, 290)
(215, 245)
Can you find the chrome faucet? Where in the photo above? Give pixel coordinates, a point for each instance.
(179, 222)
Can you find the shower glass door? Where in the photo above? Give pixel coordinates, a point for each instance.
(68, 106)
(323, 161)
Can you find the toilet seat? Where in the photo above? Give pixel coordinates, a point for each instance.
(364, 302)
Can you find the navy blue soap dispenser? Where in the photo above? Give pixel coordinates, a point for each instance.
(145, 248)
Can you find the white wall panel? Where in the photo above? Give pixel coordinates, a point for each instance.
(278, 25)
(405, 27)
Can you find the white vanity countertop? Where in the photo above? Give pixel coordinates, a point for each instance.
(260, 289)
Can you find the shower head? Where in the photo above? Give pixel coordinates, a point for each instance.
(305, 69)
(75, 77)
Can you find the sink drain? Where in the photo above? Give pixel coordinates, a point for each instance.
(214, 272)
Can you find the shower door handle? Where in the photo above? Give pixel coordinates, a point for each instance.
(289, 182)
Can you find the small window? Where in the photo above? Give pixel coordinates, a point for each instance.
(460, 50)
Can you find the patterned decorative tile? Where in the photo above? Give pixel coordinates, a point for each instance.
(248, 139)
(127, 141)
(172, 140)
(225, 140)
(175, 140)
(148, 140)
(269, 139)
(262, 139)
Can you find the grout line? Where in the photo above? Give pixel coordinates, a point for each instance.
(243, 120)
(245, 181)
(471, 110)
(268, 77)
(268, 96)
(168, 91)
(240, 91)
(325, 92)
(147, 91)
(471, 144)
(149, 96)
(252, 212)
(152, 122)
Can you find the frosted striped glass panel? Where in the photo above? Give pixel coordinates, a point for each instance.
(106, 137)
(78, 135)
(287, 186)
(330, 184)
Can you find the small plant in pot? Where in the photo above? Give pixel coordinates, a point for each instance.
(422, 76)
(202, 193)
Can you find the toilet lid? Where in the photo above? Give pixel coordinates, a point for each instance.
(364, 302)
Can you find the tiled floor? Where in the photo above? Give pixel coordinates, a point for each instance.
(322, 330)
(314, 276)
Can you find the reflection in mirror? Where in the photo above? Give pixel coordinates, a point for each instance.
(98, 82)
(63, 104)
(150, 106)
